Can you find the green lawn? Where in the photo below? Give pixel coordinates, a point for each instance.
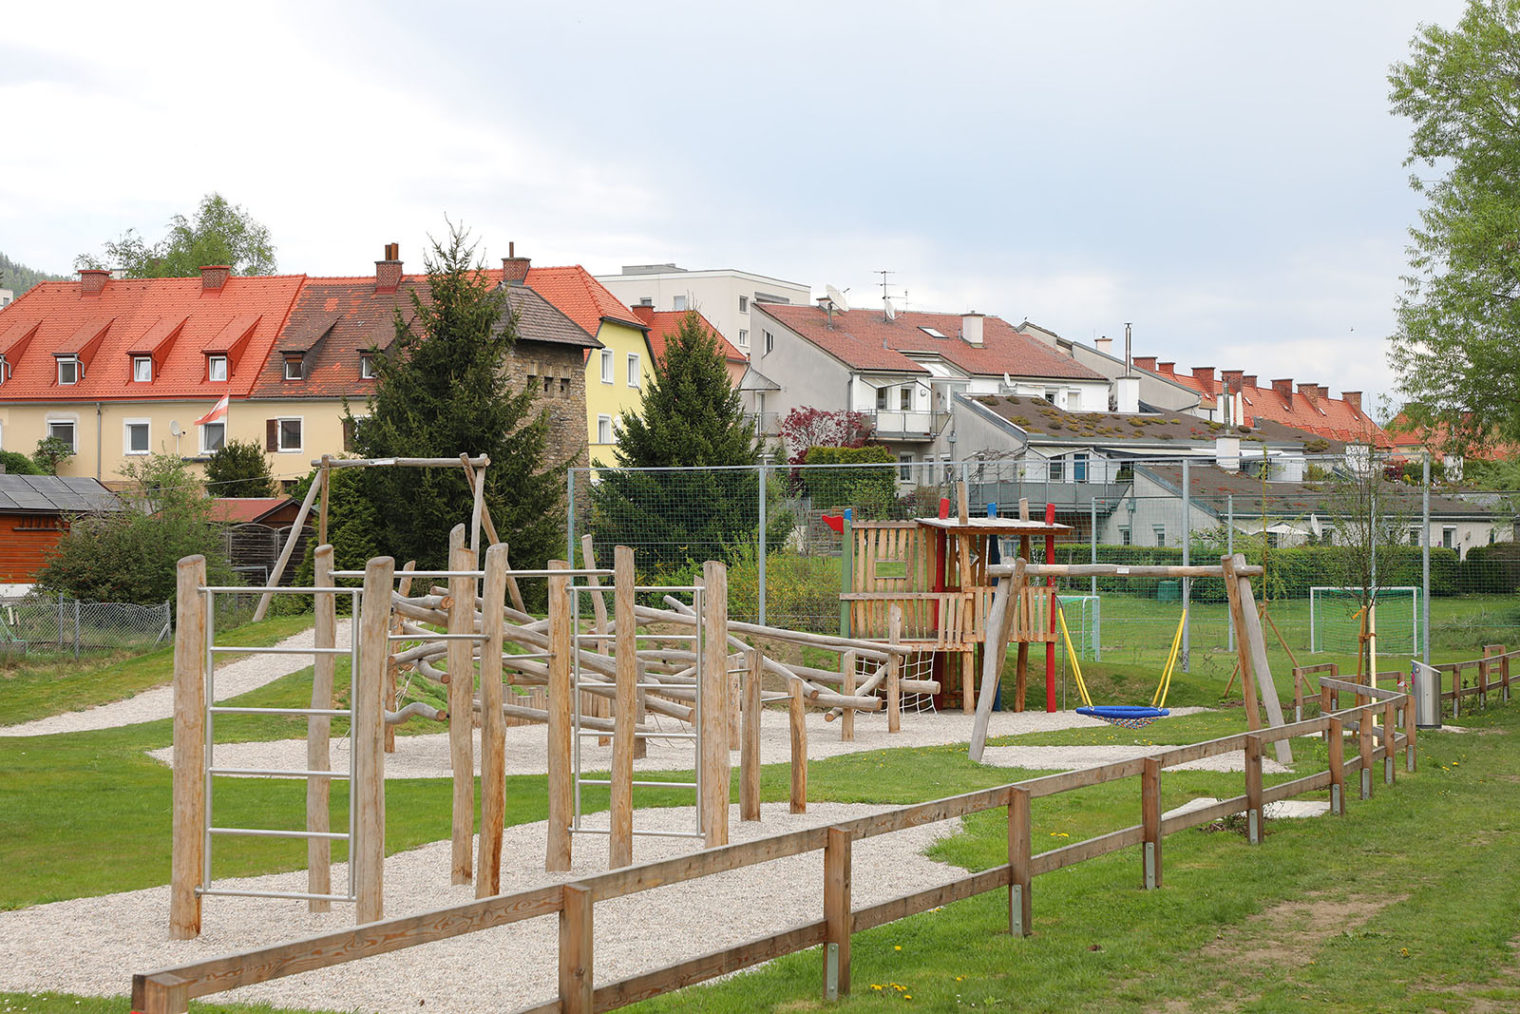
(1407, 903)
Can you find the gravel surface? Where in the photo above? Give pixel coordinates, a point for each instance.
(233, 678)
(503, 969)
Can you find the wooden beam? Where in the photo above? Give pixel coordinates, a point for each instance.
(999, 628)
(576, 979)
(1259, 664)
(461, 696)
(836, 913)
(749, 743)
(188, 841)
(318, 733)
(493, 728)
(367, 853)
(1121, 570)
(620, 848)
(557, 859)
(290, 545)
(713, 730)
(797, 715)
(894, 675)
(847, 688)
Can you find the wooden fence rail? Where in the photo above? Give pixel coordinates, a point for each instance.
(168, 991)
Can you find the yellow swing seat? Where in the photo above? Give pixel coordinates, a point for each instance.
(1127, 716)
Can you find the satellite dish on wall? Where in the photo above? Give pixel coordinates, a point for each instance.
(837, 298)
(174, 429)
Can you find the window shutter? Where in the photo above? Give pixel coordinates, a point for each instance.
(272, 434)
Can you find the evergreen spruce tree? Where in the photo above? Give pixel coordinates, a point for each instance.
(441, 392)
(693, 424)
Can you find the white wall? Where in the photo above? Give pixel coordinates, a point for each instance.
(715, 294)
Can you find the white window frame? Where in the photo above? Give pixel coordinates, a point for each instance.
(142, 365)
(279, 434)
(212, 362)
(604, 429)
(1126, 535)
(633, 370)
(5, 370)
(743, 339)
(73, 423)
(299, 363)
(1449, 537)
(770, 342)
(905, 468)
(206, 447)
(367, 366)
(126, 437)
(606, 366)
(743, 306)
(78, 370)
(678, 302)
(1160, 531)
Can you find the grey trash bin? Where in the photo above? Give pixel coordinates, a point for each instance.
(1426, 682)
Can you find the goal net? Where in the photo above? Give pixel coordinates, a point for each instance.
(1335, 623)
(1084, 620)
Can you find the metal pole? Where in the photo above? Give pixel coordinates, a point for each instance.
(1229, 548)
(1097, 613)
(76, 628)
(760, 594)
(1187, 582)
(1425, 564)
(570, 514)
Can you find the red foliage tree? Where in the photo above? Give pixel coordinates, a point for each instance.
(806, 428)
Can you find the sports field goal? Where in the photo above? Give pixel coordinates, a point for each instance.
(1084, 617)
(1335, 622)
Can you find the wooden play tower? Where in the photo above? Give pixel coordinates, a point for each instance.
(935, 571)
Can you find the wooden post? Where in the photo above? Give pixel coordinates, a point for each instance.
(894, 670)
(1337, 750)
(968, 682)
(164, 993)
(557, 859)
(392, 671)
(1253, 790)
(1259, 664)
(290, 545)
(847, 688)
(798, 716)
(576, 979)
(1390, 736)
(1150, 820)
(1002, 620)
(595, 704)
(493, 729)
(475, 511)
(1243, 650)
(318, 732)
(1364, 750)
(713, 734)
(1325, 705)
(624, 711)
(367, 793)
(1020, 904)
(326, 475)
(749, 744)
(836, 912)
(188, 856)
(461, 704)
(1409, 728)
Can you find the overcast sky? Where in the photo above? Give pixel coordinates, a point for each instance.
(1226, 176)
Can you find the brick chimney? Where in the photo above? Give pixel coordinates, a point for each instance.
(1232, 380)
(514, 269)
(1167, 369)
(388, 271)
(1354, 399)
(1324, 392)
(1145, 363)
(1104, 345)
(1284, 388)
(644, 312)
(92, 281)
(1205, 376)
(1249, 380)
(971, 328)
(1310, 391)
(214, 276)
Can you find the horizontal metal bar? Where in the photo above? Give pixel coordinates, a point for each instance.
(224, 892)
(668, 587)
(653, 734)
(239, 649)
(240, 589)
(278, 773)
(436, 637)
(645, 834)
(221, 709)
(525, 657)
(649, 785)
(667, 637)
(415, 573)
(249, 832)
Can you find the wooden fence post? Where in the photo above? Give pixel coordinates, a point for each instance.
(749, 744)
(318, 732)
(1150, 819)
(493, 729)
(368, 740)
(1337, 750)
(163, 993)
(836, 912)
(714, 690)
(894, 670)
(190, 758)
(576, 977)
(1364, 750)
(624, 715)
(462, 704)
(847, 688)
(797, 714)
(1326, 704)
(557, 859)
(1253, 790)
(1390, 739)
(1409, 731)
(1020, 907)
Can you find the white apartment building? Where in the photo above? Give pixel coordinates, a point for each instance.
(723, 296)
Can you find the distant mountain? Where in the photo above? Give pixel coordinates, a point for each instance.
(18, 277)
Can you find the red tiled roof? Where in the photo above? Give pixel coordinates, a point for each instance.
(1323, 416)
(579, 296)
(1406, 435)
(244, 509)
(332, 321)
(663, 325)
(139, 316)
(865, 340)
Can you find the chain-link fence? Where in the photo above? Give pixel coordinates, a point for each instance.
(56, 623)
(1438, 563)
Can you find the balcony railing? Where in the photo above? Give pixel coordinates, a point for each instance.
(904, 425)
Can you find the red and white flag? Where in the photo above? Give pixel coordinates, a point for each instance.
(217, 411)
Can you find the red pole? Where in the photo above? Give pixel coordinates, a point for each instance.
(1050, 645)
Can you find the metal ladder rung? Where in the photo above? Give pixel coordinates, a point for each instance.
(656, 734)
(278, 773)
(220, 709)
(298, 895)
(250, 832)
(641, 834)
(237, 649)
(647, 785)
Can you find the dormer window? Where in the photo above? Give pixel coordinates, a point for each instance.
(142, 369)
(216, 368)
(292, 367)
(367, 366)
(5, 370)
(68, 369)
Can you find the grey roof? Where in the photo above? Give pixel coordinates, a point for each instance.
(538, 320)
(52, 494)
